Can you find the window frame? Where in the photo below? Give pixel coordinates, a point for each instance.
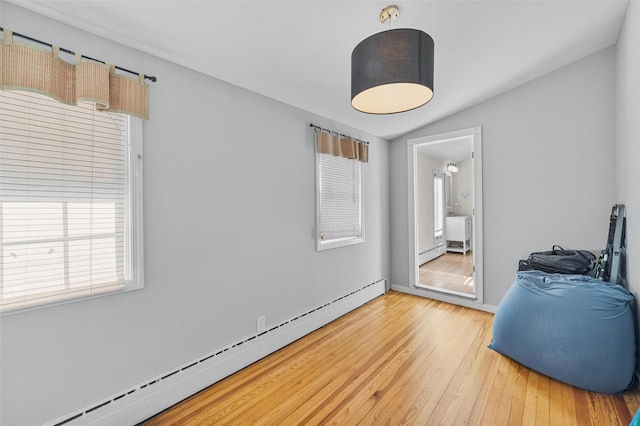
(133, 234)
(321, 243)
(135, 224)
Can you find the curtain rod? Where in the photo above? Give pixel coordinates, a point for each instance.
(148, 77)
(339, 134)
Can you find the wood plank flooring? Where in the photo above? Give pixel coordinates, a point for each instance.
(451, 271)
(400, 359)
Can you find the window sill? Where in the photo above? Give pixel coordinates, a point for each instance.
(8, 306)
(339, 242)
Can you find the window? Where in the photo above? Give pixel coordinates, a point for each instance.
(339, 201)
(438, 208)
(70, 201)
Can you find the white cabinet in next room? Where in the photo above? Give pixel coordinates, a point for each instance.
(458, 233)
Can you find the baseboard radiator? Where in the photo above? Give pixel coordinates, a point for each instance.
(431, 254)
(146, 399)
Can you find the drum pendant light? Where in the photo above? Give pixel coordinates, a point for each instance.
(392, 71)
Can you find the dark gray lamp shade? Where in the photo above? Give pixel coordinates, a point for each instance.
(392, 72)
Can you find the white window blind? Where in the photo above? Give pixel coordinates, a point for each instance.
(340, 201)
(69, 202)
(438, 208)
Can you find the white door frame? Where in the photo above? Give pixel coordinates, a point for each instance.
(474, 134)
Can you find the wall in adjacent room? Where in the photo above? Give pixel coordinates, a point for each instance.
(463, 189)
(426, 166)
(229, 226)
(548, 168)
(628, 138)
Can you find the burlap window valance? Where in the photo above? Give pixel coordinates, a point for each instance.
(341, 146)
(33, 69)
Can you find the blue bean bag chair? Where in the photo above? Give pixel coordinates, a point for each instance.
(573, 328)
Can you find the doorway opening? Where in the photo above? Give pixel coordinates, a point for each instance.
(445, 215)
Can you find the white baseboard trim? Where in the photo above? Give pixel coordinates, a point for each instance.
(436, 295)
(142, 401)
(432, 253)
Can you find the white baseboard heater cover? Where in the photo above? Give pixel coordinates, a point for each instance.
(431, 254)
(142, 401)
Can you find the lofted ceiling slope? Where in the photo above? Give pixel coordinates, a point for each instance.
(299, 52)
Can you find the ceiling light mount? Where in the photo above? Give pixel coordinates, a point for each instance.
(392, 71)
(391, 13)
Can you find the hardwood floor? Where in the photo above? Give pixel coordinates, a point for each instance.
(451, 271)
(399, 359)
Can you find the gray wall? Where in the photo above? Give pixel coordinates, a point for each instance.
(548, 169)
(229, 218)
(628, 138)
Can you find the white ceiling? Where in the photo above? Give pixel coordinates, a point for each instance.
(456, 150)
(299, 52)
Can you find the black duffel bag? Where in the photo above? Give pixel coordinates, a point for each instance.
(561, 261)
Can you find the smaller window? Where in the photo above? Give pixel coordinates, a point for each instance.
(339, 217)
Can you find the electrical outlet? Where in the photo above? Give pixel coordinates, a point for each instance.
(261, 324)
